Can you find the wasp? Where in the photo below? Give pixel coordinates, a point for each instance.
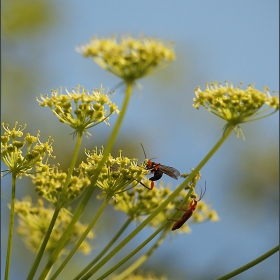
(158, 170)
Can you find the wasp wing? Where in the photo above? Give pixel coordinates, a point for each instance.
(170, 171)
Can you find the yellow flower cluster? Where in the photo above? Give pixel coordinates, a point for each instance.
(129, 59)
(80, 109)
(235, 105)
(49, 184)
(34, 222)
(141, 201)
(13, 146)
(116, 174)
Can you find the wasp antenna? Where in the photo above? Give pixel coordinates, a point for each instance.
(117, 86)
(202, 193)
(143, 150)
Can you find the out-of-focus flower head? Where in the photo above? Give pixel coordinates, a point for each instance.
(34, 221)
(140, 201)
(130, 59)
(49, 184)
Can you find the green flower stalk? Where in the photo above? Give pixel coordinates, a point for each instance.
(115, 176)
(190, 178)
(139, 202)
(129, 73)
(88, 110)
(159, 222)
(236, 105)
(140, 276)
(130, 59)
(34, 221)
(173, 196)
(21, 155)
(128, 271)
(250, 264)
(193, 182)
(81, 111)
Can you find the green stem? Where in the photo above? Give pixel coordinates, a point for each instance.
(108, 272)
(56, 212)
(89, 190)
(106, 248)
(250, 264)
(163, 205)
(141, 260)
(11, 227)
(77, 245)
(49, 274)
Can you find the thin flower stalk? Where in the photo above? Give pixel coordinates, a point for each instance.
(11, 228)
(21, 154)
(106, 248)
(143, 275)
(129, 77)
(141, 259)
(82, 238)
(137, 202)
(94, 179)
(140, 202)
(59, 205)
(162, 206)
(250, 264)
(82, 117)
(164, 228)
(129, 256)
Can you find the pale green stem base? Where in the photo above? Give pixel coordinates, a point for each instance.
(89, 190)
(105, 250)
(77, 245)
(162, 206)
(11, 228)
(142, 245)
(142, 259)
(56, 212)
(250, 264)
(49, 274)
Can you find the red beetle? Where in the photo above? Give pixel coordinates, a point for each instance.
(188, 212)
